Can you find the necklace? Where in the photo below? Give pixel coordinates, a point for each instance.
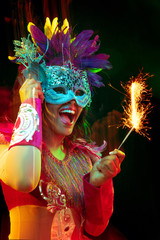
(67, 174)
(53, 158)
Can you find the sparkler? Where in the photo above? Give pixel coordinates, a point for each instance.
(138, 106)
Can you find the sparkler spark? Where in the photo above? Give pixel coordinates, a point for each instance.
(138, 106)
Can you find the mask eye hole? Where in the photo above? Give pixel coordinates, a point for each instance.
(59, 90)
(79, 92)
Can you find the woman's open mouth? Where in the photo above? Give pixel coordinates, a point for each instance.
(67, 116)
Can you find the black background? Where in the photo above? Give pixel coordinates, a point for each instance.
(129, 32)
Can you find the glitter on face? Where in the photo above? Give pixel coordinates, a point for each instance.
(73, 82)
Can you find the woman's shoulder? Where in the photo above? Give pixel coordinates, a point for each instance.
(89, 148)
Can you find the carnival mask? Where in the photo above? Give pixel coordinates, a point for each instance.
(65, 84)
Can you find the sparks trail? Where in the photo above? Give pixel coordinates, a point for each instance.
(137, 106)
(110, 85)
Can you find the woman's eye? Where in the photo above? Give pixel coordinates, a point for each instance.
(59, 90)
(79, 93)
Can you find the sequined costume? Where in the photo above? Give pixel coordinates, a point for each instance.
(64, 203)
(68, 180)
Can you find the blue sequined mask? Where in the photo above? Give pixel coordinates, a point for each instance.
(64, 84)
(66, 67)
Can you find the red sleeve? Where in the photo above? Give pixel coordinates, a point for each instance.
(98, 206)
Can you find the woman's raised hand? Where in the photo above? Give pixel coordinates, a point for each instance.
(106, 168)
(31, 89)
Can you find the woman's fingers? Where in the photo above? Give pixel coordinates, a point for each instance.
(31, 89)
(120, 154)
(109, 165)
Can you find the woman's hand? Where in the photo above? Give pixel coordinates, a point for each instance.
(106, 168)
(31, 89)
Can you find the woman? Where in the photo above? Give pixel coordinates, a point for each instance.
(57, 186)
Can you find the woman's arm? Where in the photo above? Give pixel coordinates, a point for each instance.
(23, 159)
(98, 206)
(99, 193)
(22, 168)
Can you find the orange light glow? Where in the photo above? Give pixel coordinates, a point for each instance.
(138, 106)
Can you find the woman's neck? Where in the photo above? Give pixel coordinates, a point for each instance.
(55, 143)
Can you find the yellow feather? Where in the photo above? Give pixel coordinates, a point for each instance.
(72, 39)
(11, 58)
(48, 28)
(28, 28)
(65, 26)
(29, 25)
(55, 25)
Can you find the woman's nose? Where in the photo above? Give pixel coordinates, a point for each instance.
(73, 102)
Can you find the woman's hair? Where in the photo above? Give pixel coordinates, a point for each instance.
(81, 128)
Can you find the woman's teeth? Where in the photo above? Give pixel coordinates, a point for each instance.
(67, 116)
(67, 111)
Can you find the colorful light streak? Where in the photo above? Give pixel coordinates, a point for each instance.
(137, 106)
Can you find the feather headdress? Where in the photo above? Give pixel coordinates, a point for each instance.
(56, 47)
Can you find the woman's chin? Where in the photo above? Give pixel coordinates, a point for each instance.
(68, 132)
(65, 131)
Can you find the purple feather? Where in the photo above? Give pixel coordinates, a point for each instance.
(80, 52)
(86, 50)
(95, 61)
(95, 79)
(79, 44)
(56, 61)
(41, 40)
(90, 47)
(83, 37)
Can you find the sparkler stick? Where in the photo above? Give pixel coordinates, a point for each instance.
(138, 107)
(126, 137)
